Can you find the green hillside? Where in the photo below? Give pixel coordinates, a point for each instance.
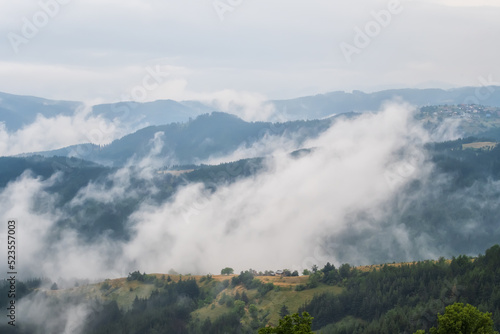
(390, 298)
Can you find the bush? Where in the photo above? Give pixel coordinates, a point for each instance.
(105, 286)
(239, 307)
(291, 324)
(265, 288)
(254, 312)
(467, 319)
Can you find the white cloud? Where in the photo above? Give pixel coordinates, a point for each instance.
(48, 316)
(283, 211)
(60, 131)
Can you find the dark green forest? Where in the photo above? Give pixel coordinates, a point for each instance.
(403, 299)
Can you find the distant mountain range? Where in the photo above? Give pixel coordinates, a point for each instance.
(323, 105)
(17, 111)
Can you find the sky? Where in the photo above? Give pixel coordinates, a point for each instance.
(109, 50)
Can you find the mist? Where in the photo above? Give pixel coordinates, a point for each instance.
(286, 210)
(60, 131)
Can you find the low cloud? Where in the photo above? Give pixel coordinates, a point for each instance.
(336, 203)
(44, 313)
(48, 133)
(286, 210)
(246, 105)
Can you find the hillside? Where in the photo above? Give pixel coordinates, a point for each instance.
(124, 292)
(389, 298)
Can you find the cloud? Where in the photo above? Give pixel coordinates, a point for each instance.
(270, 144)
(284, 211)
(44, 313)
(345, 201)
(248, 106)
(17, 202)
(48, 133)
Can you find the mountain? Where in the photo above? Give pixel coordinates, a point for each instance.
(151, 113)
(215, 134)
(323, 105)
(219, 134)
(17, 111)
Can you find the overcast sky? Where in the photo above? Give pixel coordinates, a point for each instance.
(106, 50)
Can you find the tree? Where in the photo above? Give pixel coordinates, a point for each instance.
(227, 271)
(345, 270)
(293, 324)
(54, 287)
(245, 298)
(461, 319)
(105, 286)
(284, 311)
(254, 312)
(239, 307)
(136, 276)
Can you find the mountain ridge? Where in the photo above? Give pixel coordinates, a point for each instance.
(305, 108)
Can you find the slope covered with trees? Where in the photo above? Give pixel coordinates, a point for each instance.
(406, 298)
